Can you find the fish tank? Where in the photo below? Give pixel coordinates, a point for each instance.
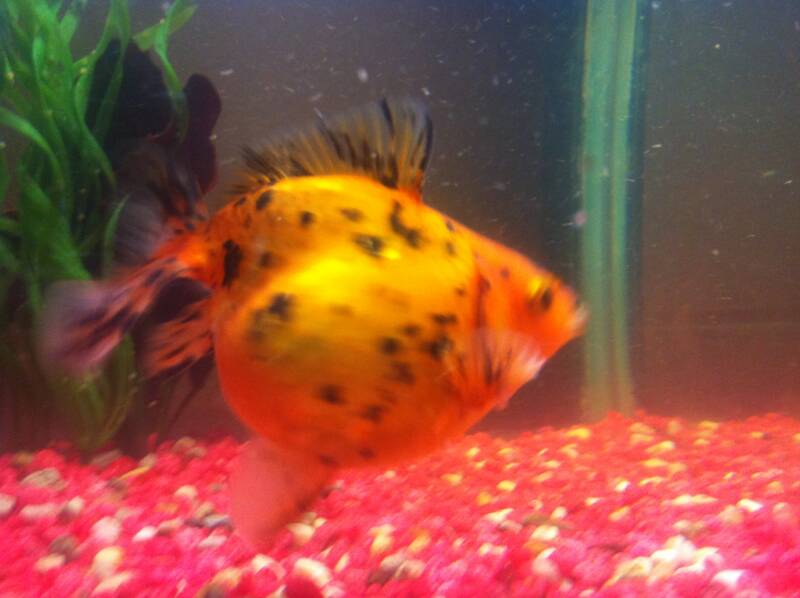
(441, 298)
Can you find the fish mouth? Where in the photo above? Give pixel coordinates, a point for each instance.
(579, 320)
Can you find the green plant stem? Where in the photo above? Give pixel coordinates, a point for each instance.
(613, 33)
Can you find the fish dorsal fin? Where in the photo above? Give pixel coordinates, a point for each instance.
(388, 141)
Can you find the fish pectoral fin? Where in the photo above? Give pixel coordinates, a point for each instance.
(496, 363)
(388, 141)
(270, 486)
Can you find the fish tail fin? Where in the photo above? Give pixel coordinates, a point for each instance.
(270, 486)
(161, 181)
(83, 321)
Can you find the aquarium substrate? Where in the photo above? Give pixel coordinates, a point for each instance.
(625, 507)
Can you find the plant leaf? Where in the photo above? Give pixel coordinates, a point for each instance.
(108, 236)
(5, 177)
(146, 38)
(7, 225)
(8, 262)
(118, 27)
(69, 22)
(171, 79)
(51, 130)
(26, 129)
(45, 234)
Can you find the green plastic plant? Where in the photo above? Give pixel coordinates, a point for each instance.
(56, 218)
(614, 44)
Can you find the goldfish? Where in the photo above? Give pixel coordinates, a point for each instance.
(352, 325)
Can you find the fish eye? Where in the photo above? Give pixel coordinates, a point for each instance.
(546, 298)
(540, 295)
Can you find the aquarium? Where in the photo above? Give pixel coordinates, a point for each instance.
(442, 298)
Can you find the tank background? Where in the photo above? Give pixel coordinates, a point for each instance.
(720, 319)
(717, 315)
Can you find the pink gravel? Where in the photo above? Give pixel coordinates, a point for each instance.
(625, 507)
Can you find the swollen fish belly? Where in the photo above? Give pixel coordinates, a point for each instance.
(355, 366)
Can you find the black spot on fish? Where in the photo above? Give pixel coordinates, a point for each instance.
(248, 220)
(280, 305)
(444, 319)
(352, 214)
(411, 330)
(371, 244)
(240, 201)
(255, 334)
(231, 262)
(401, 372)
(387, 396)
(266, 260)
(332, 394)
(504, 273)
(440, 347)
(412, 236)
(341, 310)
(327, 461)
(450, 226)
(450, 248)
(373, 413)
(390, 345)
(306, 218)
(461, 291)
(263, 200)
(366, 453)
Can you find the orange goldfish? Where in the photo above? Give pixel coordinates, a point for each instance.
(352, 325)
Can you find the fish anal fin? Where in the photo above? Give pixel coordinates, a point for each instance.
(388, 141)
(270, 486)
